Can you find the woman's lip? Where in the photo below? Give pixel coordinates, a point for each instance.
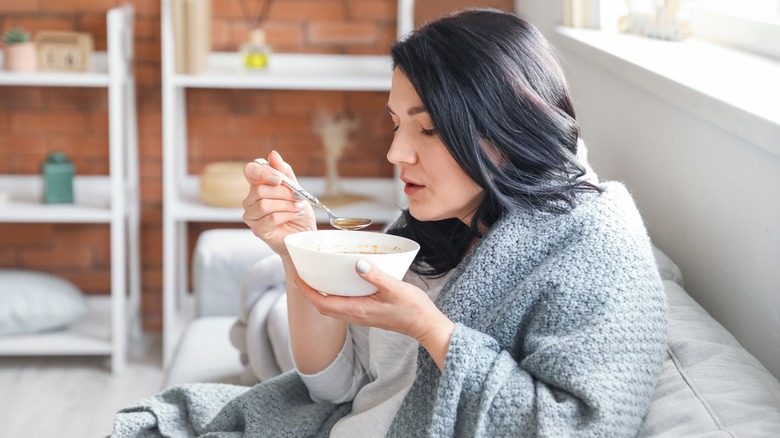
(410, 188)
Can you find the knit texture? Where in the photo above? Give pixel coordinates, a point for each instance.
(561, 330)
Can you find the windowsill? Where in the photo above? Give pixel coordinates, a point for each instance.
(734, 90)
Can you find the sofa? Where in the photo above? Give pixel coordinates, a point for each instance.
(710, 385)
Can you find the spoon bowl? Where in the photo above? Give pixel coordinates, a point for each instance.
(342, 223)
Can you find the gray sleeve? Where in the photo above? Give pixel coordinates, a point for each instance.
(343, 378)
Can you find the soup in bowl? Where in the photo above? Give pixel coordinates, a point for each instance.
(325, 259)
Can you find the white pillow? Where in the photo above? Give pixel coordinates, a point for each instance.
(34, 301)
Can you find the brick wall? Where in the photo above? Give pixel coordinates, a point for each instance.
(223, 124)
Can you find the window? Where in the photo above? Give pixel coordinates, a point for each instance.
(750, 25)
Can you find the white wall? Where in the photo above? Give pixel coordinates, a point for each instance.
(710, 199)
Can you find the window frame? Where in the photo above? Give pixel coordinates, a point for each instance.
(739, 31)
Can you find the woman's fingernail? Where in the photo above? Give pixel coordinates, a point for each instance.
(275, 179)
(295, 283)
(278, 155)
(297, 195)
(301, 213)
(363, 266)
(300, 204)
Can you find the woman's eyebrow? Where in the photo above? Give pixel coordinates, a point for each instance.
(412, 111)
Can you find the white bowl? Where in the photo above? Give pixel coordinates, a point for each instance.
(325, 259)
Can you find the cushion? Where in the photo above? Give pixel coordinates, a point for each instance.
(204, 354)
(710, 386)
(222, 258)
(666, 267)
(34, 301)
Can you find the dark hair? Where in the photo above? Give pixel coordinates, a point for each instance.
(500, 103)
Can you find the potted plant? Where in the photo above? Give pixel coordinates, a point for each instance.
(19, 51)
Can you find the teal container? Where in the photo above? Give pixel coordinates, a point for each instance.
(57, 179)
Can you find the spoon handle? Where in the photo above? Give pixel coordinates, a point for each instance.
(291, 184)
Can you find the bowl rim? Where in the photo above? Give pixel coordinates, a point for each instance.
(414, 246)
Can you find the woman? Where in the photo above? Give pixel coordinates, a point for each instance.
(534, 306)
(552, 317)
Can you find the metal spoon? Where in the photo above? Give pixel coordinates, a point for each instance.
(342, 223)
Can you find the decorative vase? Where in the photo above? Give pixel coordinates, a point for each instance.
(58, 174)
(20, 57)
(256, 51)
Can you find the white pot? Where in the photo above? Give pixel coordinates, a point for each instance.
(20, 57)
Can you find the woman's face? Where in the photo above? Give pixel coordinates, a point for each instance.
(436, 186)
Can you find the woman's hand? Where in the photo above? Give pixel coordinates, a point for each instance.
(396, 306)
(270, 209)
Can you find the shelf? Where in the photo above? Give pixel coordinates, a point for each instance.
(381, 208)
(111, 199)
(90, 336)
(295, 72)
(91, 193)
(96, 77)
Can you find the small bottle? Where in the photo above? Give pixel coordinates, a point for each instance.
(255, 52)
(57, 179)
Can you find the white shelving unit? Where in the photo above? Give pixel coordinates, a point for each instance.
(181, 203)
(112, 199)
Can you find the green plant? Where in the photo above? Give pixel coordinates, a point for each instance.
(16, 35)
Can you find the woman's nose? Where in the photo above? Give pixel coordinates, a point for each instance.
(400, 151)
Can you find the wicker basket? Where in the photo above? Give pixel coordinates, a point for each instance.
(222, 184)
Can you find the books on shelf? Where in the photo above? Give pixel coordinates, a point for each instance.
(191, 34)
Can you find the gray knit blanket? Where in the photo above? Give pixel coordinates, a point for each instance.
(560, 331)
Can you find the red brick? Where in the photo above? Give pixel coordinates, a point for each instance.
(212, 148)
(373, 10)
(221, 35)
(34, 24)
(32, 143)
(78, 257)
(151, 8)
(77, 5)
(307, 102)
(282, 37)
(151, 247)
(76, 98)
(22, 121)
(21, 97)
(7, 257)
(78, 145)
(147, 74)
(147, 28)
(343, 33)
(219, 104)
(150, 123)
(93, 23)
(151, 190)
(300, 10)
(272, 124)
(98, 122)
(150, 149)
(11, 6)
(229, 9)
(27, 235)
(94, 281)
(152, 321)
(148, 99)
(374, 102)
(147, 51)
(150, 170)
(207, 124)
(151, 277)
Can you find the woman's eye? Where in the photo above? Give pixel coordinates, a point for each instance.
(429, 132)
(395, 128)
